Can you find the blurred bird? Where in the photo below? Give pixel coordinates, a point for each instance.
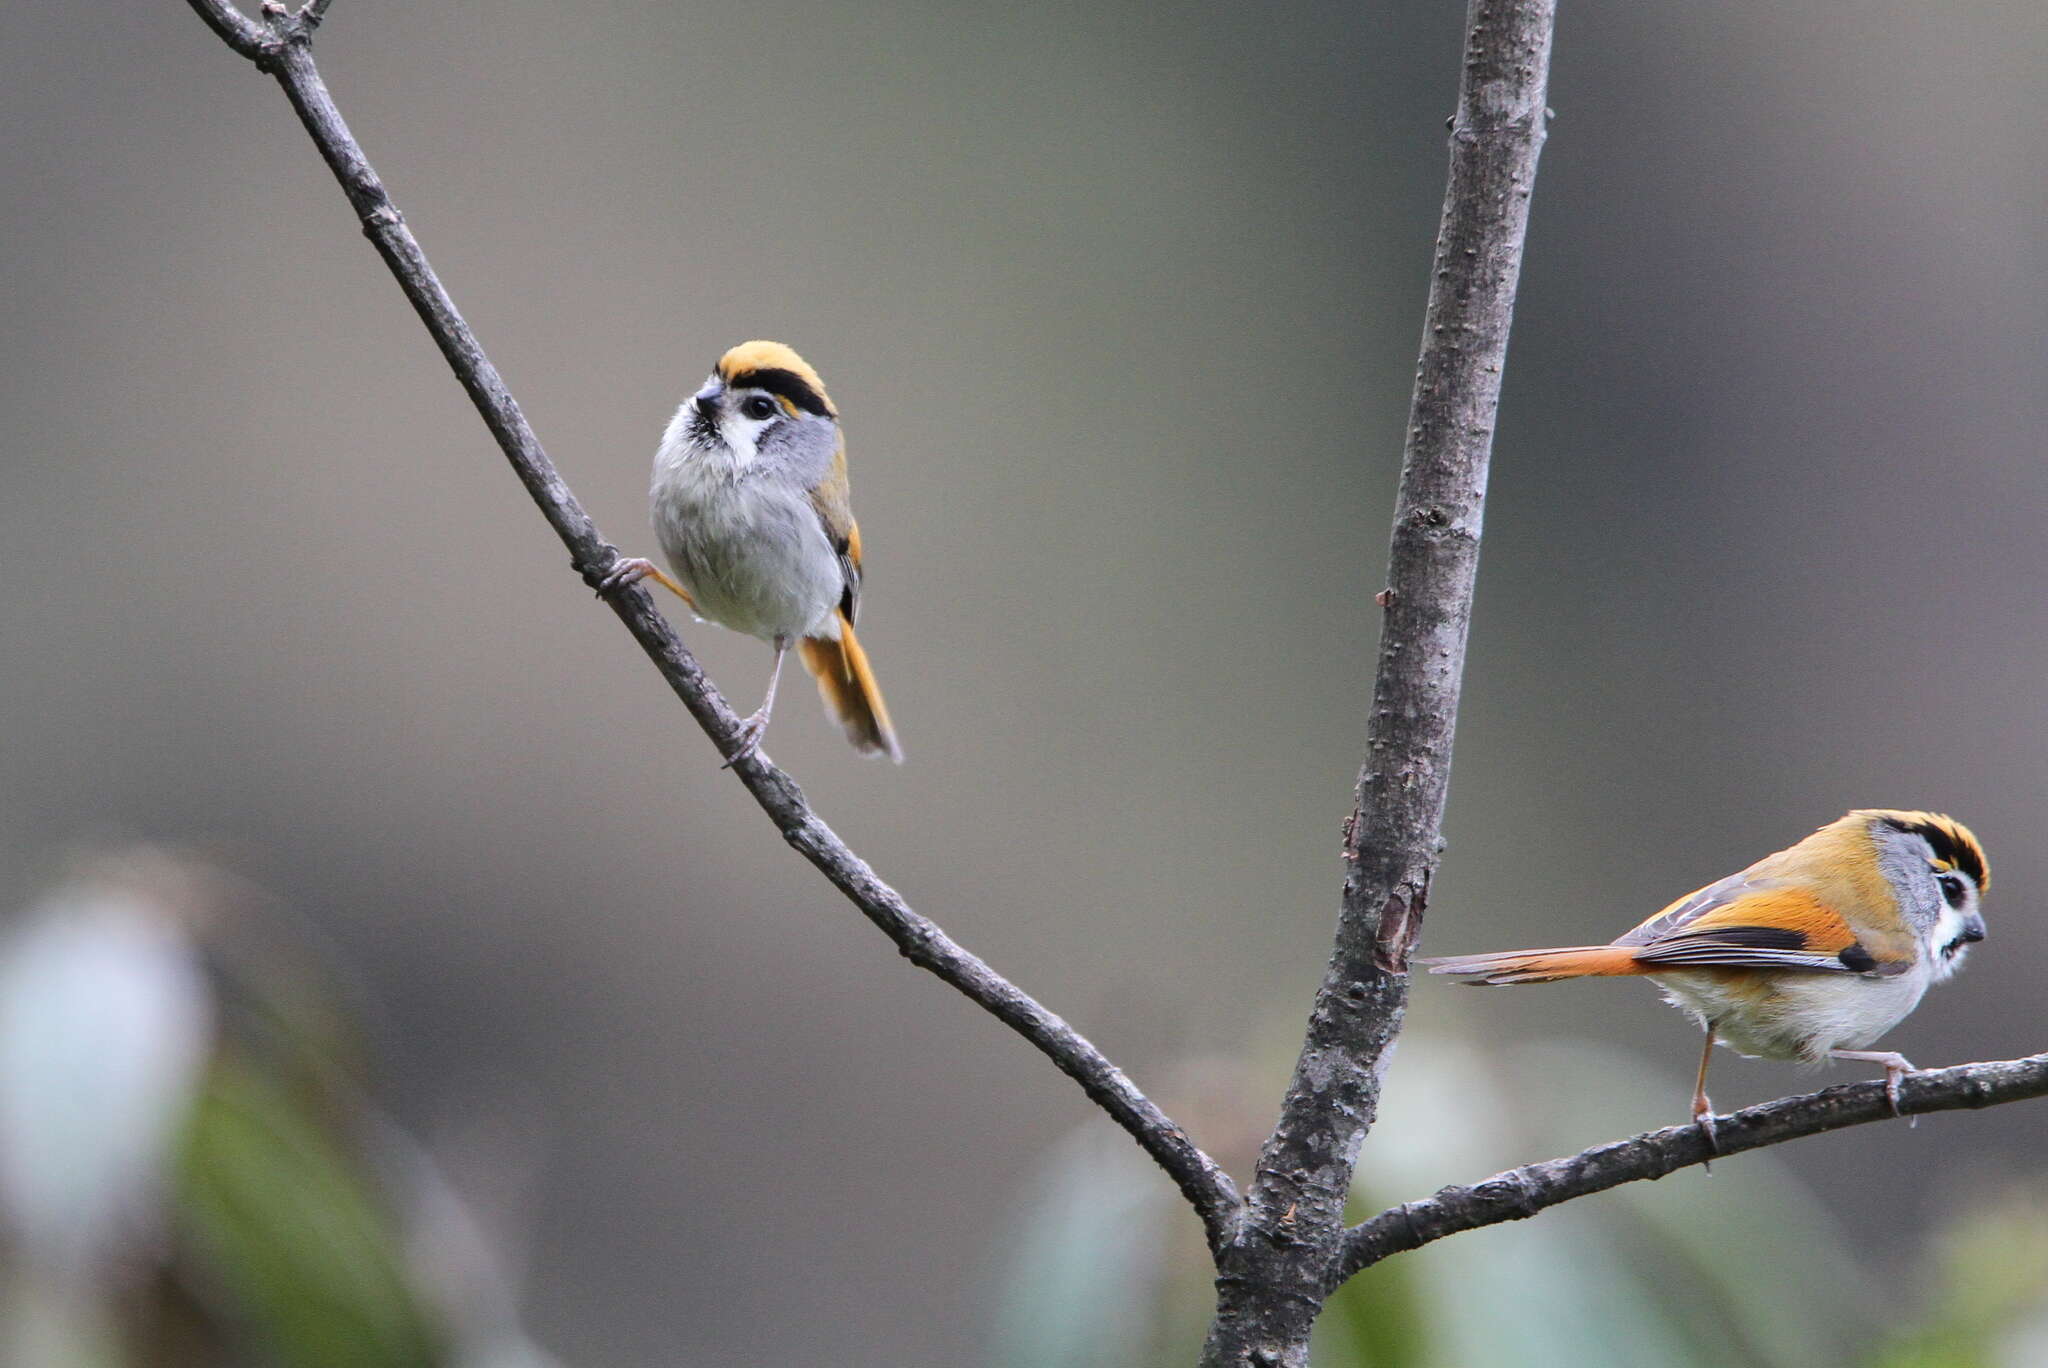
(1808, 954)
(751, 510)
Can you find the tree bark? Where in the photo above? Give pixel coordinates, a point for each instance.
(1522, 1192)
(1273, 1277)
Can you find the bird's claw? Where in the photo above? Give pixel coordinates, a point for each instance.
(625, 571)
(751, 730)
(1896, 1067)
(1703, 1119)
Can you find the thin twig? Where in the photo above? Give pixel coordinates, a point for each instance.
(1523, 1192)
(1294, 1209)
(235, 28)
(283, 49)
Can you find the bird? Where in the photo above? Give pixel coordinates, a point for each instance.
(751, 511)
(1809, 954)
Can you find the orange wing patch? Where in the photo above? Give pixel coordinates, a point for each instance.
(1774, 928)
(1793, 910)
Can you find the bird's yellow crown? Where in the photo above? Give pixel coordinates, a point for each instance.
(776, 368)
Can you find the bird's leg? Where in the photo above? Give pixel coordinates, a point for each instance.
(1896, 1067)
(633, 569)
(754, 727)
(1702, 1105)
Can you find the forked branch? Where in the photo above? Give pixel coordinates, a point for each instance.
(1283, 1251)
(280, 45)
(1271, 1278)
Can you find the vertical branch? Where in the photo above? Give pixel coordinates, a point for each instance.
(1273, 1278)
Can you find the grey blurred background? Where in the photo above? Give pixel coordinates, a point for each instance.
(1120, 304)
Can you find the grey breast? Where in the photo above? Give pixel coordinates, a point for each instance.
(755, 558)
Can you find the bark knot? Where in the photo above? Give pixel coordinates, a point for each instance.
(1400, 923)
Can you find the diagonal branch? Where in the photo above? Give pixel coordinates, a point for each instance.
(237, 29)
(1270, 1289)
(281, 47)
(1522, 1192)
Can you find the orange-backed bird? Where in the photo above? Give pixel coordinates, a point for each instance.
(751, 509)
(1808, 954)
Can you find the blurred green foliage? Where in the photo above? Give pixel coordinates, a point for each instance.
(1987, 1274)
(282, 1221)
(192, 1174)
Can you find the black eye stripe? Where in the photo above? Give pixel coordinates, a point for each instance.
(788, 384)
(1951, 842)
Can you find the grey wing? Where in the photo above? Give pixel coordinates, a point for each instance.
(849, 568)
(1752, 922)
(842, 533)
(1691, 908)
(1760, 947)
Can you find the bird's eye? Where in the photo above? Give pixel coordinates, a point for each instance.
(1952, 889)
(758, 406)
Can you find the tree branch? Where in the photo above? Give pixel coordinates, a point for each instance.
(1272, 1277)
(235, 28)
(1522, 1192)
(281, 47)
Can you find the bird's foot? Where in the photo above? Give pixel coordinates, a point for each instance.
(749, 734)
(625, 571)
(1703, 1119)
(1896, 1067)
(1893, 1072)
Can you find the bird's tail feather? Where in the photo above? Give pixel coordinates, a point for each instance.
(848, 687)
(1541, 966)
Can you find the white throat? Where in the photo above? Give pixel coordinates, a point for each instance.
(692, 451)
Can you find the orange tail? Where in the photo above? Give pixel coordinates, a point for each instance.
(850, 692)
(1541, 966)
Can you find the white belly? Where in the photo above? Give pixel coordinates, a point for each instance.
(752, 554)
(1793, 1015)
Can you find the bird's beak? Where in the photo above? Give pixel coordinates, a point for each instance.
(707, 398)
(1973, 928)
